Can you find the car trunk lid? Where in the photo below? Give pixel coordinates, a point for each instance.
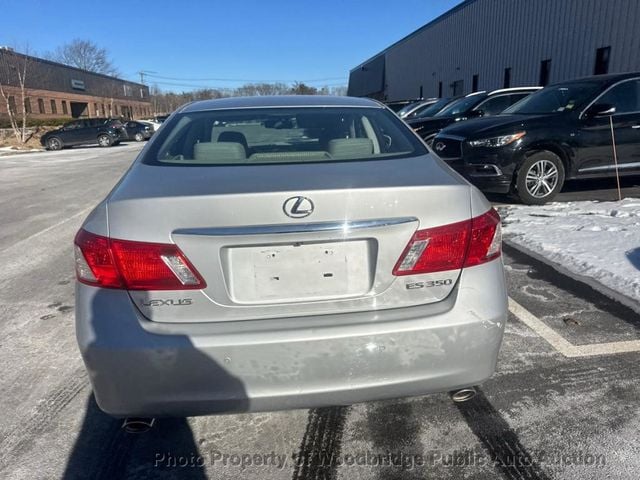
(232, 224)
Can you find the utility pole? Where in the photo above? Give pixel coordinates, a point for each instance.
(142, 73)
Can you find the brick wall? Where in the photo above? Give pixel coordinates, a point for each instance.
(96, 106)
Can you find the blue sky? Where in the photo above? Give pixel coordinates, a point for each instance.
(247, 40)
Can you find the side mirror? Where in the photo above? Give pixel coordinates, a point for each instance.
(476, 113)
(600, 110)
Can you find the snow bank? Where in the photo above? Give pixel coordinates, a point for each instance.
(600, 240)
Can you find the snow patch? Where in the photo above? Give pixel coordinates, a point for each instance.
(600, 240)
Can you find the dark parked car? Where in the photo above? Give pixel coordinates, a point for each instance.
(397, 105)
(424, 108)
(475, 105)
(103, 131)
(137, 131)
(430, 109)
(562, 132)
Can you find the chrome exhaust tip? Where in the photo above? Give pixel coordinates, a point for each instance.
(138, 424)
(463, 395)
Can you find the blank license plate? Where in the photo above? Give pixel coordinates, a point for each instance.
(301, 272)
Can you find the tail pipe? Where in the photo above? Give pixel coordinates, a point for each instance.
(463, 395)
(138, 424)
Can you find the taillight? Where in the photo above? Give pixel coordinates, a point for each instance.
(451, 247)
(112, 263)
(485, 243)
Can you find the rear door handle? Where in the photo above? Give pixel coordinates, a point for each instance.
(635, 127)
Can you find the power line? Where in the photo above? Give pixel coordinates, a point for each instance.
(217, 87)
(314, 80)
(142, 73)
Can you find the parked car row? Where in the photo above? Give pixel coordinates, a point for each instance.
(538, 140)
(474, 105)
(105, 132)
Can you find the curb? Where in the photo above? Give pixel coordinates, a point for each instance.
(588, 281)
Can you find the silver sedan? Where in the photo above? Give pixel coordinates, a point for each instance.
(286, 252)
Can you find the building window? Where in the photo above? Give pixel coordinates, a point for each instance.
(104, 112)
(439, 89)
(602, 61)
(545, 72)
(54, 107)
(457, 88)
(64, 108)
(41, 105)
(115, 110)
(12, 104)
(27, 105)
(474, 86)
(507, 78)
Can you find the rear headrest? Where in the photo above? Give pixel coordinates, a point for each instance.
(350, 147)
(225, 152)
(233, 137)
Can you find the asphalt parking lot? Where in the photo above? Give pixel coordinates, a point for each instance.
(562, 405)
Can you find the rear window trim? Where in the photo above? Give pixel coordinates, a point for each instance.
(149, 154)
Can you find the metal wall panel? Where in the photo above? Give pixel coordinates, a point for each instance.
(486, 36)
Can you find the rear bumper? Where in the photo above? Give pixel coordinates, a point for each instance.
(138, 368)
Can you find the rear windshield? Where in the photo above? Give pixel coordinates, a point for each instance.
(282, 135)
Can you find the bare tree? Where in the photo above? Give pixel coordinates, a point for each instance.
(261, 89)
(14, 69)
(168, 101)
(300, 88)
(84, 54)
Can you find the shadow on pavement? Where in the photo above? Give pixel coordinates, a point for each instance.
(149, 374)
(103, 450)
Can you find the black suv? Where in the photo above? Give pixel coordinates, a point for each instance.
(474, 105)
(562, 132)
(103, 131)
(137, 131)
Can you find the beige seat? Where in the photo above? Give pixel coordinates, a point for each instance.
(223, 152)
(350, 147)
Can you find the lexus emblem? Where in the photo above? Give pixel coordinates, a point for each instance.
(298, 207)
(440, 146)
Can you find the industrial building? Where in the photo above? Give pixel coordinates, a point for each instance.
(53, 90)
(490, 44)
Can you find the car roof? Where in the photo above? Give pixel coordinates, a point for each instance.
(280, 101)
(514, 90)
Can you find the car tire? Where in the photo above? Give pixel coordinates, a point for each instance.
(139, 137)
(105, 140)
(54, 143)
(540, 178)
